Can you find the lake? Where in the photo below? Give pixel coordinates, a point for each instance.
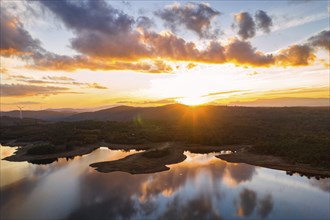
(201, 187)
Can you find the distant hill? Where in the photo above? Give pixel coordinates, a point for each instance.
(42, 114)
(128, 113)
(173, 112)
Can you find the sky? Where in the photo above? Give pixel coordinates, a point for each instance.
(90, 53)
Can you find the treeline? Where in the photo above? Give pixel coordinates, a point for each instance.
(299, 134)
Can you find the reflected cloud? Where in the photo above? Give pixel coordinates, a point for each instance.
(197, 208)
(322, 184)
(248, 202)
(193, 189)
(265, 206)
(238, 173)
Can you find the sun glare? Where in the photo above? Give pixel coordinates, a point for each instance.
(192, 101)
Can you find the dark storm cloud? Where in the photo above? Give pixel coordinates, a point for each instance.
(321, 40)
(14, 38)
(196, 17)
(263, 21)
(242, 52)
(245, 24)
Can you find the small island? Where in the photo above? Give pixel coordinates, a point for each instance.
(150, 161)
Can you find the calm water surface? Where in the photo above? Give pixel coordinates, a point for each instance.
(201, 187)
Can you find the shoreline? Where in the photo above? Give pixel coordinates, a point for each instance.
(20, 155)
(275, 162)
(240, 155)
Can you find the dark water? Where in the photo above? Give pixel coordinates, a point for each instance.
(201, 187)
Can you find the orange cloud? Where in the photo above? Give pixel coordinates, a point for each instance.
(122, 44)
(82, 62)
(19, 90)
(96, 86)
(296, 55)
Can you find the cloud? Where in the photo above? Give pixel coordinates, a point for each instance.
(321, 40)
(295, 55)
(3, 70)
(247, 27)
(100, 29)
(263, 21)
(245, 24)
(299, 1)
(191, 65)
(38, 81)
(58, 62)
(30, 90)
(242, 52)
(279, 102)
(22, 103)
(105, 33)
(59, 78)
(90, 15)
(304, 54)
(123, 45)
(18, 77)
(15, 40)
(223, 93)
(96, 86)
(196, 17)
(169, 46)
(104, 46)
(151, 102)
(144, 22)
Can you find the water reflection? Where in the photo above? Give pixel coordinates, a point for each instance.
(201, 187)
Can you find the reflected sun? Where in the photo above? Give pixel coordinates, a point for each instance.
(193, 100)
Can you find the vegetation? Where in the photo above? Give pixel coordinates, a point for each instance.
(43, 149)
(298, 134)
(156, 153)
